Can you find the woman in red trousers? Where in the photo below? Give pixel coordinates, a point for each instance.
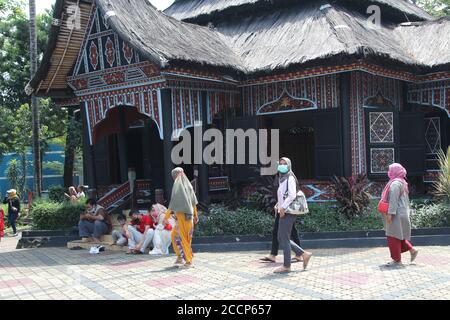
(396, 222)
(2, 224)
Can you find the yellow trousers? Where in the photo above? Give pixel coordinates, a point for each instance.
(182, 237)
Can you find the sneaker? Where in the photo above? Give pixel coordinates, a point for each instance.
(94, 250)
(414, 255)
(393, 264)
(15, 234)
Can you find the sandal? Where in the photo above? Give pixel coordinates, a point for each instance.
(267, 259)
(282, 269)
(306, 260)
(297, 259)
(414, 255)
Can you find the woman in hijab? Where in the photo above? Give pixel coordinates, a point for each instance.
(287, 192)
(72, 195)
(396, 221)
(162, 238)
(13, 208)
(183, 206)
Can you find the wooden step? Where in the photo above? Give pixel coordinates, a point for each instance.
(107, 238)
(86, 245)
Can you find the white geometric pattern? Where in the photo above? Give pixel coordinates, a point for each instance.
(433, 135)
(381, 159)
(381, 127)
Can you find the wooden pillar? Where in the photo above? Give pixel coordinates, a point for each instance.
(122, 141)
(345, 90)
(166, 105)
(69, 157)
(203, 168)
(89, 169)
(146, 145)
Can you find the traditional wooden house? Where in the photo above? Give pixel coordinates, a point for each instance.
(350, 91)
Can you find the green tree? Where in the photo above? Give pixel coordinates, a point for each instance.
(6, 127)
(15, 53)
(20, 138)
(16, 176)
(437, 8)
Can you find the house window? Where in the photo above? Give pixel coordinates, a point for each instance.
(381, 127)
(381, 159)
(381, 141)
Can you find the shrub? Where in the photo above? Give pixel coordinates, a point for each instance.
(326, 217)
(243, 221)
(433, 215)
(56, 193)
(266, 193)
(350, 194)
(442, 184)
(55, 216)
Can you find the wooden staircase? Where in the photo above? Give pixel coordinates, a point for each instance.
(117, 199)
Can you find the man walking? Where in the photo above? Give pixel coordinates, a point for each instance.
(13, 202)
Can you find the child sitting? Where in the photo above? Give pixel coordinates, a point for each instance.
(120, 236)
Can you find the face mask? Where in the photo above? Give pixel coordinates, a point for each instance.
(283, 168)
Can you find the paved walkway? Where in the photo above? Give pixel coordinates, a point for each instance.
(333, 274)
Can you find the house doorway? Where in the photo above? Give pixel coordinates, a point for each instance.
(297, 140)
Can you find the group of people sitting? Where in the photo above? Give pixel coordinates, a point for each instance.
(155, 229)
(142, 231)
(145, 231)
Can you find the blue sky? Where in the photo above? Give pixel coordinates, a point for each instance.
(44, 4)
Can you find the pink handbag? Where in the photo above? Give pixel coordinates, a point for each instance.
(383, 207)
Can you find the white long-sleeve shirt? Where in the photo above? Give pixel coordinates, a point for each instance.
(284, 203)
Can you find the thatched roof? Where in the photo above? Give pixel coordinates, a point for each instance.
(289, 36)
(204, 10)
(428, 43)
(62, 50)
(305, 33)
(156, 36)
(301, 34)
(161, 38)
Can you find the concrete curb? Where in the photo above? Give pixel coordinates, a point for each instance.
(428, 240)
(326, 240)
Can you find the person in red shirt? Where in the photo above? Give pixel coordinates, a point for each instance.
(140, 232)
(2, 223)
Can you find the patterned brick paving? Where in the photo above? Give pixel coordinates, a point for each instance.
(58, 273)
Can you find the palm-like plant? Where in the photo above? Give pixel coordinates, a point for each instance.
(350, 194)
(442, 184)
(266, 189)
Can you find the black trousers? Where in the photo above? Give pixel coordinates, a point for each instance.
(275, 243)
(12, 218)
